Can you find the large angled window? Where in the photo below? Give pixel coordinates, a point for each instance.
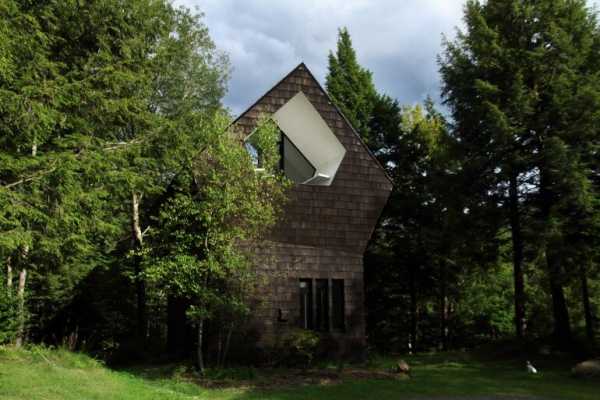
(295, 166)
(310, 152)
(293, 163)
(304, 126)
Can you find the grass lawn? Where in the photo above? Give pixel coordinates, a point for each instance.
(58, 374)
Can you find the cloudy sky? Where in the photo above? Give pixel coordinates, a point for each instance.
(398, 40)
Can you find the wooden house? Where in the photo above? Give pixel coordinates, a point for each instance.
(313, 260)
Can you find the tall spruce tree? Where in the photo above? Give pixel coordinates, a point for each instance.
(100, 103)
(521, 83)
(351, 86)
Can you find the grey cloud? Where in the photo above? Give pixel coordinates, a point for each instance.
(398, 40)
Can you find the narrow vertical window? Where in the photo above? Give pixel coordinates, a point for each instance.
(306, 304)
(337, 304)
(322, 305)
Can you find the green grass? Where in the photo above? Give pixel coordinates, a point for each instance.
(58, 374)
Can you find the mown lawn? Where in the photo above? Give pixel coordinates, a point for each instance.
(58, 374)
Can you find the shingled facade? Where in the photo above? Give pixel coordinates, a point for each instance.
(313, 260)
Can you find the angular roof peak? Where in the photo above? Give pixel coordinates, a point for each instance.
(301, 67)
(340, 208)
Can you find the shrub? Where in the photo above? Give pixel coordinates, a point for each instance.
(297, 348)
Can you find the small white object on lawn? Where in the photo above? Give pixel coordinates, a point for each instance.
(531, 369)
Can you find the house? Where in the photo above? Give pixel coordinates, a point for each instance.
(313, 260)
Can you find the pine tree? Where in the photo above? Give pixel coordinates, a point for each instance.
(350, 86)
(521, 83)
(100, 103)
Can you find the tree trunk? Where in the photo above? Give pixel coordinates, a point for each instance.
(560, 312)
(178, 338)
(517, 244)
(413, 308)
(137, 243)
(227, 344)
(443, 308)
(562, 324)
(21, 308)
(9, 276)
(219, 347)
(199, 354)
(587, 308)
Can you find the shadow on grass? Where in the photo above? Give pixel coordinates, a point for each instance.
(433, 375)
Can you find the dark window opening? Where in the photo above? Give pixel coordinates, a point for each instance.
(306, 304)
(322, 305)
(293, 163)
(337, 305)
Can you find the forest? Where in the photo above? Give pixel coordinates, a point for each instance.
(123, 189)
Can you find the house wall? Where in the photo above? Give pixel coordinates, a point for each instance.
(325, 229)
(344, 214)
(282, 265)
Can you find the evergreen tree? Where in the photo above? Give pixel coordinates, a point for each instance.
(521, 83)
(100, 103)
(350, 86)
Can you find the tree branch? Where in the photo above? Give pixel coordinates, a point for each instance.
(118, 145)
(30, 178)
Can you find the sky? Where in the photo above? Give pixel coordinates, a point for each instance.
(397, 40)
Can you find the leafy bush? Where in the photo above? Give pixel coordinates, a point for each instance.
(297, 348)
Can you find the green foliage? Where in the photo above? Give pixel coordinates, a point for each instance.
(521, 84)
(430, 239)
(8, 314)
(201, 245)
(350, 86)
(99, 101)
(487, 306)
(297, 348)
(218, 205)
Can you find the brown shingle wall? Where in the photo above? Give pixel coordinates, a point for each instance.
(283, 265)
(340, 216)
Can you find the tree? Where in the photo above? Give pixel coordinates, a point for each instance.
(202, 243)
(350, 86)
(49, 216)
(521, 85)
(98, 100)
(419, 243)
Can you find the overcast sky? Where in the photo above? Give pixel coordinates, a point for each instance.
(398, 40)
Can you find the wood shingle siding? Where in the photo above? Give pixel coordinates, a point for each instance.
(325, 229)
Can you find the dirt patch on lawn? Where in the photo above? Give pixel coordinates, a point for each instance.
(277, 379)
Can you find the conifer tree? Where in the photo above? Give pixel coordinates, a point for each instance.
(351, 86)
(522, 86)
(99, 105)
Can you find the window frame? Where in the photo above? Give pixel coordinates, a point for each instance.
(338, 305)
(306, 303)
(326, 309)
(282, 138)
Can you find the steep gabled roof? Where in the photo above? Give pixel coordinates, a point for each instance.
(342, 214)
(302, 66)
